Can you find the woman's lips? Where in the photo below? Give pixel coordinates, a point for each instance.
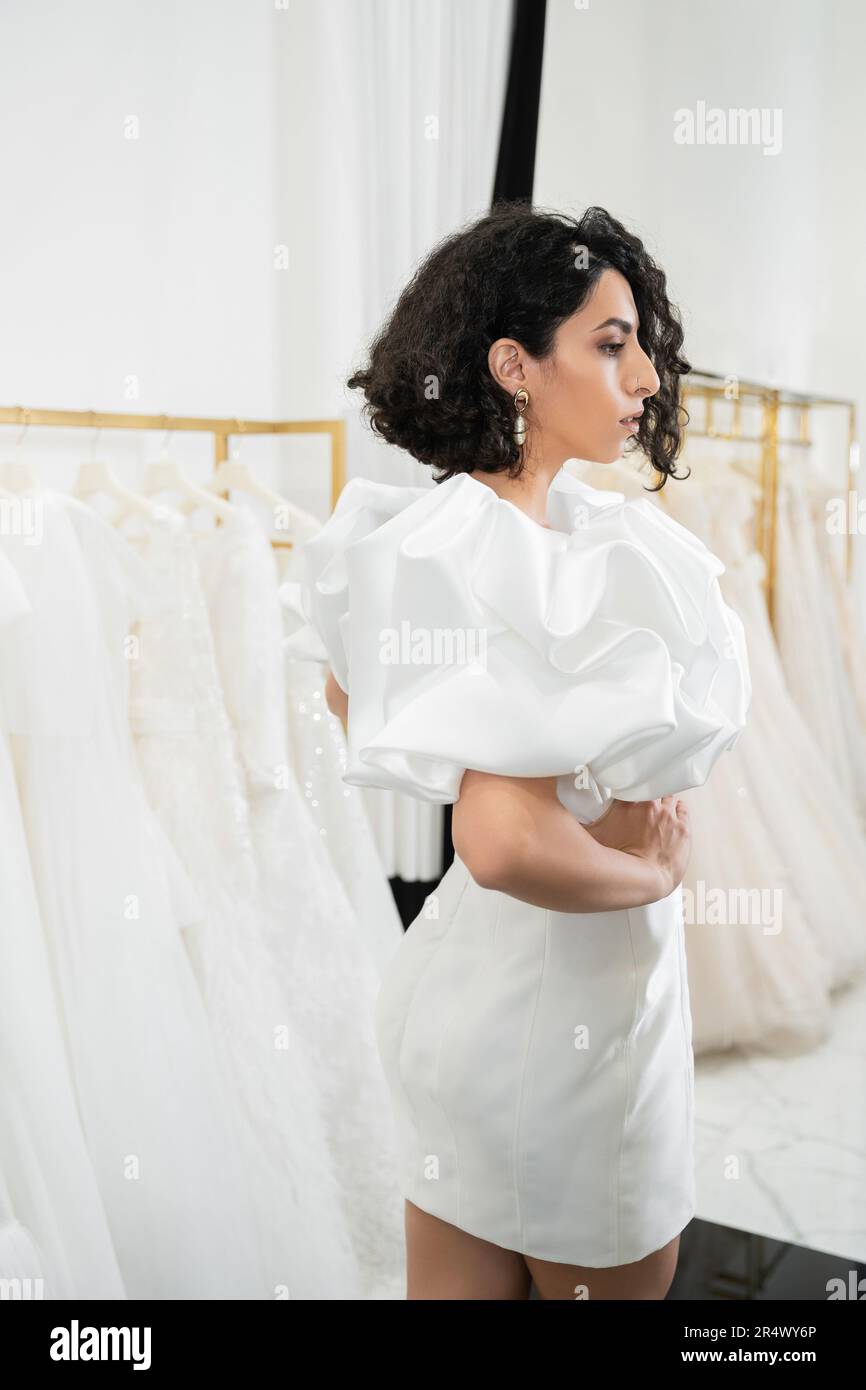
(630, 425)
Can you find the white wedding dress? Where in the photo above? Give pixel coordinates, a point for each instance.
(188, 751)
(815, 826)
(326, 964)
(20, 1257)
(811, 645)
(540, 1062)
(851, 634)
(54, 1225)
(318, 750)
(152, 1106)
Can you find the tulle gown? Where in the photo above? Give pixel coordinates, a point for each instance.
(152, 1106)
(325, 961)
(756, 971)
(318, 750)
(851, 632)
(53, 1224)
(194, 777)
(762, 824)
(811, 645)
(815, 825)
(20, 1257)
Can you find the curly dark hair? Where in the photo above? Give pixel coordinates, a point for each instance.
(511, 273)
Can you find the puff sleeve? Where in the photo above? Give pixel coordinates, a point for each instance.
(474, 638)
(317, 605)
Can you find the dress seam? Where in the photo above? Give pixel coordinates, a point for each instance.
(438, 1084)
(518, 1156)
(408, 1014)
(685, 1011)
(628, 1096)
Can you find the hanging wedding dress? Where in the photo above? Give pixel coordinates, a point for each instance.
(20, 1259)
(816, 826)
(851, 633)
(326, 964)
(152, 1106)
(810, 643)
(189, 759)
(318, 748)
(54, 1227)
(756, 975)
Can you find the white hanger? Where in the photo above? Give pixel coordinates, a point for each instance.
(166, 475)
(18, 475)
(234, 474)
(96, 476)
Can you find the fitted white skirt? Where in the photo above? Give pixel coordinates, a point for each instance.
(541, 1072)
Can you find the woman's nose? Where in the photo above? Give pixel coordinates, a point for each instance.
(646, 375)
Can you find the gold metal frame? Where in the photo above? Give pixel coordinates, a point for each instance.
(711, 387)
(222, 431)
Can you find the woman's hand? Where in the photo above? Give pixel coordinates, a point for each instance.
(514, 836)
(654, 830)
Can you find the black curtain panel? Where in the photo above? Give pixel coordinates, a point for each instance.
(515, 167)
(515, 174)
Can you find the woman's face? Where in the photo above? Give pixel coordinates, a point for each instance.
(580, 397)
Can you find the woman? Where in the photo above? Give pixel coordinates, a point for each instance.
(558, 663)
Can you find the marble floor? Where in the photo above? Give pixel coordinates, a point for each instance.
(780, 1142)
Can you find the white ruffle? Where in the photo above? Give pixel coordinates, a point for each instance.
(320, 606)
(472, 637)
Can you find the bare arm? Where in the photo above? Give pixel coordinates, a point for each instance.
(337, 700)
(514, 835)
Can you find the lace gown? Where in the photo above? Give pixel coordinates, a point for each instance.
(540, 1063)
(318, 751)
(138, 1045)
(325, 962)
(194, 777)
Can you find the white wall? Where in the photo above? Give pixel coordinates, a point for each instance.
(149, 264)
(763, 252)
(139, 274)
(144, 274)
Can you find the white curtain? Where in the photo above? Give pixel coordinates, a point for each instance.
(414, 91)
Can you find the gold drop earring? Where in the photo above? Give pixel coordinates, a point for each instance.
(521, 401)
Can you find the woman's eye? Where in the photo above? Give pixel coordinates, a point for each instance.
(612, 348)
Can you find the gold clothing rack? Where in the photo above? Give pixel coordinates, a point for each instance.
(223, 430)
(711, 387)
